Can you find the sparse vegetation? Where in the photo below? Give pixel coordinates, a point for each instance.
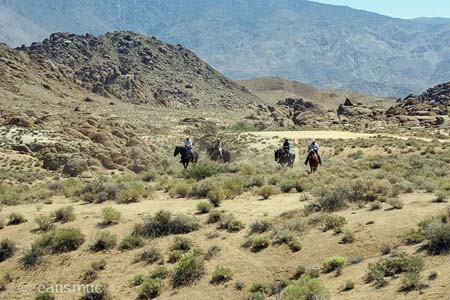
(103, 241)
(64, 214)
(333, 263)
(204, 207)
(16, 219)
(221, 274)
(188, 270)
(131, 242)
(7, 249)
(110, 216)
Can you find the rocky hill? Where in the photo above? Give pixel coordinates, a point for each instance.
(323, 45)
(134, 68)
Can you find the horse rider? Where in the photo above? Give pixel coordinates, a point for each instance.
(188, 146)
(219, 148)
(313, 147)
(287, 147)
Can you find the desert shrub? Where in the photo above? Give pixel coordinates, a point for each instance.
(385, 249)
(297, 225)
(395, 203)
(180, 190)
(376, 205)
(189, 269)
(243, 126)
(414, 237)
(202, 170)
(433, 275)
(299, 272)
(289, 238)
(61, 240)
(306, 288)
(91, 274)
(256, 296)
(16, 219)
(204, 207)
(5, 279)
(258, 287)
(214, 216)
(255, 181)
(266, 191)
(258, 243)
(99, 292)
(347, 286)
(260, 226)
(229, 222)
(287, 185)
(299, 186)
(331, 222)
(175, 256)
(221, 274)
(31, 257)
(110, 216)
(396, 263)
(411, 281)
(160, 272)
(201, 188)
(131, 242)
(162, 224)
(233, 186)
(216, 196)
(440, 197)
(212, 252)
(103, 241)
(330, 201)
(438, 237)
(7, 249)
(348, 237)
(63, 214)
(333, 263)
(247, 169)
(45, 295)
(137, 280)
(44, 223)
(150, 288)
(181, 243)
(130, 192)
(150, 256)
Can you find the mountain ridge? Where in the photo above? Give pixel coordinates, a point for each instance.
(331, 47)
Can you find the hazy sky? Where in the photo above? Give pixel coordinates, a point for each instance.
(399, 8)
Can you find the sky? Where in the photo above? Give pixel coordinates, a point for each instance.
(406, 9)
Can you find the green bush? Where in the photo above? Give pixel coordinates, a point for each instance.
(230, 223)
(306, 288)
(266, 191)
(233, 186)
(255, 181)
(347, 286)
(44, 223)
(212, 252)
(243, 126)
(61, 240)
(63, 214)
(16, 219)
(411, 281)
(395, 203)
(99, 292)
(214, 216)
(333, 263)
(204, 207)
(175, 256)
(414, 237)
(202, 170)
(348, 237)
(130, 192)
(189, 269)
(103, 241)
(289, 238)
(258, 243)
(376, 205)
(438, 237)
(31, 257)
(221, 274)
(7, 249)
(150, 288)
(260, 226)
(332, 222)
(161, 272)
(216, 196)
(181, 243)
(287, 185)
(131, 242)
(110, 216)
(440, 197)
(180, 190)
(162, 224)
(44, 296)
(150, 256)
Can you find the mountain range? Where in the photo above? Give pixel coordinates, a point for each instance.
(327, 46)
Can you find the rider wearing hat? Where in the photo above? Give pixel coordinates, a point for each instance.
(313, 147)
(188, 146)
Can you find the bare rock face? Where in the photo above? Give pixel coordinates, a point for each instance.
(133, 68)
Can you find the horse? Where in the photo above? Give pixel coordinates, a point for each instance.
(284, 159)
(185, 156)
(313, 162)
(214, 154)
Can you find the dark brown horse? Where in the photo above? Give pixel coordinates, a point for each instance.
(313, 162)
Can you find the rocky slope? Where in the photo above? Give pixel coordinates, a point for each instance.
(326, 46)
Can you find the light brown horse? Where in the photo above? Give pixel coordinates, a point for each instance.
(313, 162)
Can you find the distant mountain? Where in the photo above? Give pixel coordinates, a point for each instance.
(326, 46)
(433, 21)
